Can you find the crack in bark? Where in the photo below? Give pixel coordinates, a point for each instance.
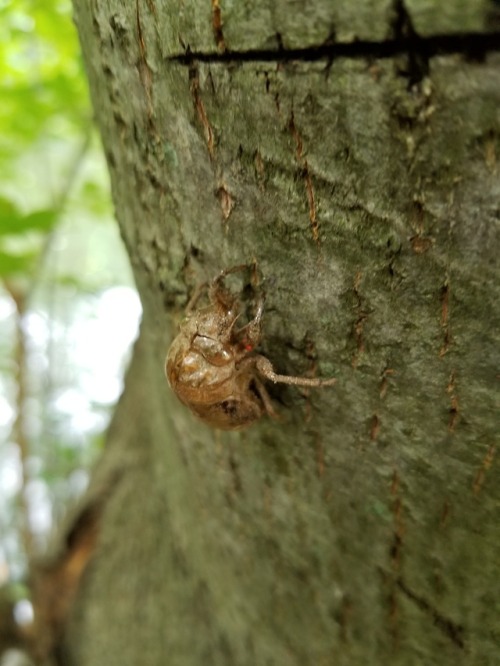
(374, 427)
(145, 71)
(453, 630)
(299, 154)
(226, 201)
(471, 44)
(486, 463)
(194, 83)
(454, 410)
(384, 383)
(418, 60)
(398, 524)
(445, 318)
(376, 422)
(217, 26)
(395, 549)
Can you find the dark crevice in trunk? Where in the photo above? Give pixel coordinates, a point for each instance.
(472, 45)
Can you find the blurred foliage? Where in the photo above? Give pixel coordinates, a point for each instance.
(62, 271)
(43, 90)
(45, 127)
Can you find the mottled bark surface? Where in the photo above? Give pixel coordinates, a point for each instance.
(364, 528)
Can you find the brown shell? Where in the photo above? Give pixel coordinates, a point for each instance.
(204, 366)
(213, 369)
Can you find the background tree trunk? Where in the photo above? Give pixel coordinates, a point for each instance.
(356, 162)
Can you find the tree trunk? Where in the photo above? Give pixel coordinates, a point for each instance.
(350, 150)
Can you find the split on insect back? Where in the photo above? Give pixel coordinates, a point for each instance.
(212, 366)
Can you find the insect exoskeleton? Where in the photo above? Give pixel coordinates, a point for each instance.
(212, 366)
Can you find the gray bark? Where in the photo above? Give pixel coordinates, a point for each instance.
(364, 528)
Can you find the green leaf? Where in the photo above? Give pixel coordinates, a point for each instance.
(13, 222)
(11, 264)
(40, 220)
(8, 211)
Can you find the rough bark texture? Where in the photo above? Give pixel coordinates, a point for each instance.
(364, 529)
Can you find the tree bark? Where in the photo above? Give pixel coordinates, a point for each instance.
(350, 149)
